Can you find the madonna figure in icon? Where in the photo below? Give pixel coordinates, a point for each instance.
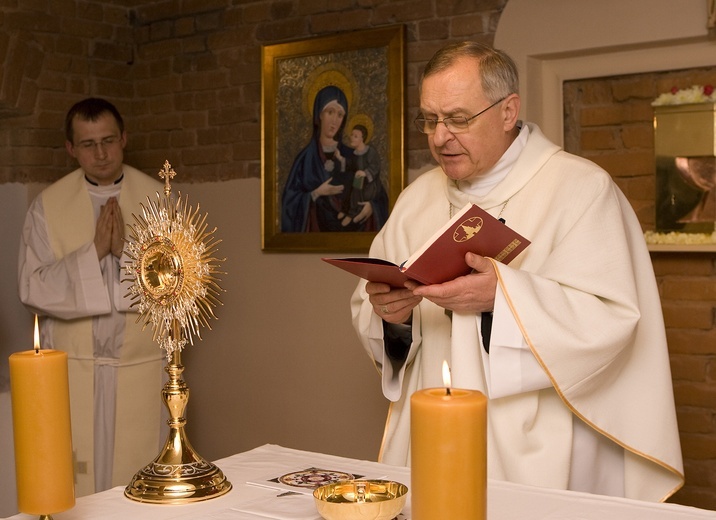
(314, 190)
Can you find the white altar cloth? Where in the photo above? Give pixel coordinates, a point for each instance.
(249, 501)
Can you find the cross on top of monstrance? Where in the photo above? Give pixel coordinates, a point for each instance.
(174, 287)
(167, 173)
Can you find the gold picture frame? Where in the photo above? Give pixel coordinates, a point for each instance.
(359, 74)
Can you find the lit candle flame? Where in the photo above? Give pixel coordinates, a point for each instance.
(37, 335)
(446, 377)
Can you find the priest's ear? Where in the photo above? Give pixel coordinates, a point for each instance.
(510, 108)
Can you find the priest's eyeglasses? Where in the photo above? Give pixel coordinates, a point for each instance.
(455, 124)
(104, 143)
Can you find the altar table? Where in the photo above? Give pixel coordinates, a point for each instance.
(256, 497)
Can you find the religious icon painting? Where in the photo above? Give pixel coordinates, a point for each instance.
(332, 129)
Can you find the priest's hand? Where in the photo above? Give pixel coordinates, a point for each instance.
(109, 230)
(391, 304)
(472, 293)
(117, 229)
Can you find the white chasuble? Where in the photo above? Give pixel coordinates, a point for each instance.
(580, 354)
(115, 369)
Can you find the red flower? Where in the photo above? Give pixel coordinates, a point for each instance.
(708, 89)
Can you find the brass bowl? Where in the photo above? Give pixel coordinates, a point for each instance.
(361, 500)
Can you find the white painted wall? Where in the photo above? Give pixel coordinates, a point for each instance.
(553, 41)
(16, 329)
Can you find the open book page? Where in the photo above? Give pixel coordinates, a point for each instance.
(442, 257)
(371, 269)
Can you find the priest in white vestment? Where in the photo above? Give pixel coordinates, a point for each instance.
(567, 341)
(70, 269)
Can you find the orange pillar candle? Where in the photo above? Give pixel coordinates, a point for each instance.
(40, 396)
(448, 453)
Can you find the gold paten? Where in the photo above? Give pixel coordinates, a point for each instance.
(172, 267)
(361, 500)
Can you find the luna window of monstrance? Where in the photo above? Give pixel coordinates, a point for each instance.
(173, 271)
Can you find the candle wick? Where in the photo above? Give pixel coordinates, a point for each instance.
(447, 391)
(37, 349)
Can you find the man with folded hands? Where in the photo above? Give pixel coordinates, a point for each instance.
(567, 341)
(69, 273)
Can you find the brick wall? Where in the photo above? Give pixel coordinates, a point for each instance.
(51, 55)
(610, 121)
(187, 76)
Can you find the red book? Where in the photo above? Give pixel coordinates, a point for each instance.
(442, 258)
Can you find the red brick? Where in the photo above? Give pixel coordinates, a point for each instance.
(327, 23)
(687, 367)
(638, 136)
(689, 288)
(182, 139)
(468, 26)
(696, 420)
(433, 29)
(184, 27)
(695, 264)
(698, 446)
(386, 13)
(282, 30)
(148, 12)
(624, 163)
(259, 12)
(688, 315)
(204, 80)
(598, 139)
(161, 30)
(693, 342)
(634, 86)
(711, 370)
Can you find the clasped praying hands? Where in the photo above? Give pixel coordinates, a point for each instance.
(109, 232)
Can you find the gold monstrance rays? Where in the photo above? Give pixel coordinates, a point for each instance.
(172, 267)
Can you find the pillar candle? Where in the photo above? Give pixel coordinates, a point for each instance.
(41, 426)
(448, 432)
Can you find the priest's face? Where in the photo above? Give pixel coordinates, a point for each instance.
(98, 147)
(466, 153)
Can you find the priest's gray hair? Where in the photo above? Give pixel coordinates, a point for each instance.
(498, 72)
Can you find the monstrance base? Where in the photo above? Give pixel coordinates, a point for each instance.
(177, 484)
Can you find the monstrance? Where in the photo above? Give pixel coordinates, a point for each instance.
(173, 270)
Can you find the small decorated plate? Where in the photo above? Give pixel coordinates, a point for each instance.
(313, 478)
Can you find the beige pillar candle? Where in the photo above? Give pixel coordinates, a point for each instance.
(40, 396)
(448, 432)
